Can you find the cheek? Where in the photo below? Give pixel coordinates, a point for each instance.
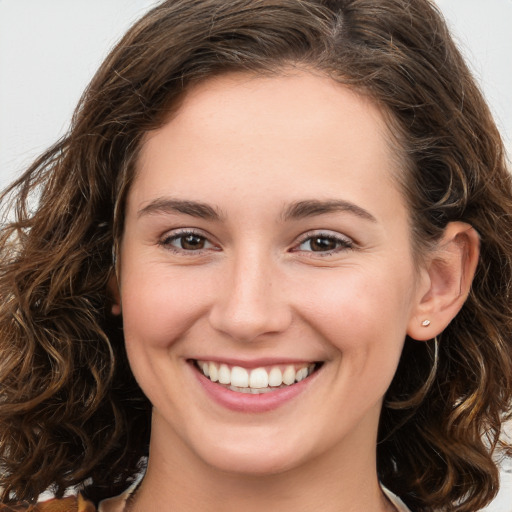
(159, 305)
(362, 314)
(364, 321)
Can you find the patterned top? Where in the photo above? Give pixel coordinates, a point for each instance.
(69, 504)
(117, 504)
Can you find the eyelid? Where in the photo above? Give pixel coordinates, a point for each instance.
(346, 242)
(174, 234)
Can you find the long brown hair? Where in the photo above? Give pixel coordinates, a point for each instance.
(70, 410)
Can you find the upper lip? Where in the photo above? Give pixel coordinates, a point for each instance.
(255, 363)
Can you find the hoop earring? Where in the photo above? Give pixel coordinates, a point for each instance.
(433, 371)
(419, 395)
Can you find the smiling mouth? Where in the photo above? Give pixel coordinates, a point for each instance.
(257, 380)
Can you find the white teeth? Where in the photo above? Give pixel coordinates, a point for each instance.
(239, 377)
(258, 380)
(275, 377)
(289, 375)
(301, 374)
(224, 374)
(250, 391)
(212, 370)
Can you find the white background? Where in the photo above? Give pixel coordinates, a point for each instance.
(50, 49)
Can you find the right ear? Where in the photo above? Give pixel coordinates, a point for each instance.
(114, 294)
(449, 275)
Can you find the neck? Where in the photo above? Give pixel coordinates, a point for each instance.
(177, 481)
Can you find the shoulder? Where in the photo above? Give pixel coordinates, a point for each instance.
(69, 504)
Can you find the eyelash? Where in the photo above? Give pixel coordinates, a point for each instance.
(167, 241)
(341, 243)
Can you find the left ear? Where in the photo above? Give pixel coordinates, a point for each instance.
(114, 294)
(446, 281)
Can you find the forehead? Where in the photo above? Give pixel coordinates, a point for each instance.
(277, 103)
(296, 128)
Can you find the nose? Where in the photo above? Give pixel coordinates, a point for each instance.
(251, 301)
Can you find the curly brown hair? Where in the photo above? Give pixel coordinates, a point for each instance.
(71, 412)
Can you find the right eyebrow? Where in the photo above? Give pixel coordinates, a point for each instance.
(169, 205)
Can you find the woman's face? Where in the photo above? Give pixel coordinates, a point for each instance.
(266, 242)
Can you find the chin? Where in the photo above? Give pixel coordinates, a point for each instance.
(251, 464)
(256, 458)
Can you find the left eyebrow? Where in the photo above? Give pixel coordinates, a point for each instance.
(313, 207)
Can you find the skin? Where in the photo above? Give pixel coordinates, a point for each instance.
(250, 148)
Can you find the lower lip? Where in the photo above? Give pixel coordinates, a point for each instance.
(249, 403)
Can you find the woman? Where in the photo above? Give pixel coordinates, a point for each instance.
(269, 267)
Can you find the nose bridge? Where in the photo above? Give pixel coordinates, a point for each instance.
(251, 302)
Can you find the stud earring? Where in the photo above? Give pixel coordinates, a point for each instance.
(425, 323)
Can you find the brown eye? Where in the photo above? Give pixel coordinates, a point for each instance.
(186, 242)
(325, 244)
(191, 242)
(321, 243)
